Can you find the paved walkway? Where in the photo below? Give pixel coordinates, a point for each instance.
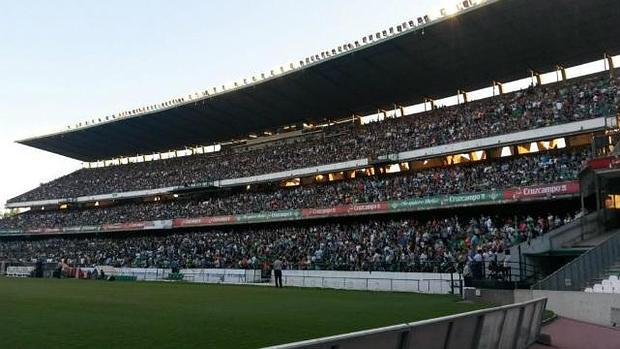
(572, 334)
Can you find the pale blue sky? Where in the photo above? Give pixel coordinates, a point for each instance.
(68, 61)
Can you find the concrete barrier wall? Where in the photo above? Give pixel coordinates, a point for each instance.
(189, 275)
(596, 308)
(513, 326)
(19, 271)
(437, 283)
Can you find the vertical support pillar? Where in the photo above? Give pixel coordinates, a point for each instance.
(382, 111)
(610, 65)
(536, 80)
(399, 108)
(583, 209)
(500, 88)
(431, 101)
(462, 93)
(598, 204)
(560, 69)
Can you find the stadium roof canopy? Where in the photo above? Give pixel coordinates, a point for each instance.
(498, 41)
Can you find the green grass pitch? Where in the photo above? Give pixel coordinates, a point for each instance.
(49, 314)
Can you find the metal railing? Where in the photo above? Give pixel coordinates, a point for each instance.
(577, 274)
(514, 326)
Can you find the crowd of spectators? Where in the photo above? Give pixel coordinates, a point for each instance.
(440, 244)
(551, 167)
(535, 107)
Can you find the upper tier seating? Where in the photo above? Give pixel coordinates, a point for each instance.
(537, 107)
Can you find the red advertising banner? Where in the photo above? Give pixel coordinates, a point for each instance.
(605, 162)
(346, 209)
(202, 221)
(556, 189)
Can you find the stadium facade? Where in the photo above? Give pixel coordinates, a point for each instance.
(383, 71)
(291, 146)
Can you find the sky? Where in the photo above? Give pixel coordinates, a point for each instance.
(63, 62)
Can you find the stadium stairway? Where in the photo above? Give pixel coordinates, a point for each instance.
(592, 267)
(534, 259)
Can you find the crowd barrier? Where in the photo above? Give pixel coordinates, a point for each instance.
(19, 271)
(436, 283)
(189, 275)
(514, 326)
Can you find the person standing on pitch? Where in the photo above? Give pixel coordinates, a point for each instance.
(277, 272)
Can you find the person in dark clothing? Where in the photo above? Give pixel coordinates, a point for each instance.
(277, 272)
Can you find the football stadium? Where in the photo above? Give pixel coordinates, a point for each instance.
(451, 181)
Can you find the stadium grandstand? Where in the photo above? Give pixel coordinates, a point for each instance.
(471, 149)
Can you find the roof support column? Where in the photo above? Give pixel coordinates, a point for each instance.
(536, 80)
(399, 108)
(500, 88)
(431, 101)
(382, 111)
(459, 94)
(560, 69)
(610, 65)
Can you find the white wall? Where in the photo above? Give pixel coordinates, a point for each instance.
(189, 275)
(436, 283)
(589, 307)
